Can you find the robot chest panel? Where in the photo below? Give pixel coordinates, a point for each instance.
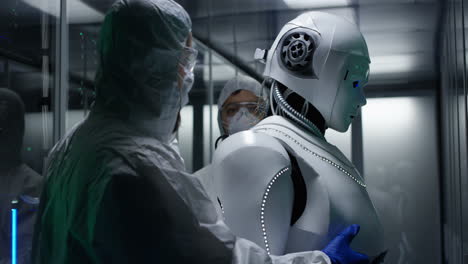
(335, 183)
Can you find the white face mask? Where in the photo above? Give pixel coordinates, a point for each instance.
(187, 62)
(242, 120)
(187, 85)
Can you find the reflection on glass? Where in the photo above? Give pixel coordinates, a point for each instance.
(209, 148)
(26, 63)
(400, 164)
(185, 136)
(20, 186)
(83, 66)
(199, 127)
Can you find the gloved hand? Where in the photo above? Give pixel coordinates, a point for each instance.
(338, 249)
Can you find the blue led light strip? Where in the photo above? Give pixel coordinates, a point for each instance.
(13, 236)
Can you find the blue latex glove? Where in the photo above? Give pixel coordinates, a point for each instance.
(339, 251)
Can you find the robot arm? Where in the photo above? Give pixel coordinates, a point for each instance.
(252, 181)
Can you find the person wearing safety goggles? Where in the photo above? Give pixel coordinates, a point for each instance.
(241, 105)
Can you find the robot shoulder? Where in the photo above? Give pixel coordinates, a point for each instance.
(248, 160)
(250, 168)
(251, 147)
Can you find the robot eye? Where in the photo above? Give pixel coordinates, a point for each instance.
(355, 84)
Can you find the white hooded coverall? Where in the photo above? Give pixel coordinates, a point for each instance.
(116, 192)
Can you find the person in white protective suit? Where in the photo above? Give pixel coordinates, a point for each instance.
(281, 184)
(241, 105)
(116, 191)
(20, 186)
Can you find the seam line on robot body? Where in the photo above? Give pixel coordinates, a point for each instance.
(324, 159)
(262, 208)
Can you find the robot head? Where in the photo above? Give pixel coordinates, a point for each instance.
(324, 59)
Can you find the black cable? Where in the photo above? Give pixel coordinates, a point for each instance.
(291, 112)
(223, 137)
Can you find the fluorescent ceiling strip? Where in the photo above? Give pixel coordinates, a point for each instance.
(300, 4)
(78, 12)
(393, 64)
(400, 111)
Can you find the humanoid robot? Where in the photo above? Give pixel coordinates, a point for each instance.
(281, 184)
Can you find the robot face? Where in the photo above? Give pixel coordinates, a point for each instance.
(350, 95)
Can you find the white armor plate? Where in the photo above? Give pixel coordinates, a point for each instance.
(245, 168)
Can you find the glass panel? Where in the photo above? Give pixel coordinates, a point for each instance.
(185, 136)
(341, 140)
(83, 29)
(464, 133)
(198, 132)
(400, 166)
(27, 57)
(192, 142)
(215, 132)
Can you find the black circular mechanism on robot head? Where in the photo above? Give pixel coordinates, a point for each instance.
(296, 50)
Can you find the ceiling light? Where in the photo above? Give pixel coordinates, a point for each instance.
(302, 4)
(78, 12)
(393, 64)
(398, 112)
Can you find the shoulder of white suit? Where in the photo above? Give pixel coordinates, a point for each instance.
(250, 143)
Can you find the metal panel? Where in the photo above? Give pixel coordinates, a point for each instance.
(454, 104)
(61, 73)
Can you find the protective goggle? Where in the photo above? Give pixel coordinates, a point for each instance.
(188, 58)
(256, 108)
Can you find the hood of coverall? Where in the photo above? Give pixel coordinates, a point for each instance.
(140, 46)
(240, 82)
